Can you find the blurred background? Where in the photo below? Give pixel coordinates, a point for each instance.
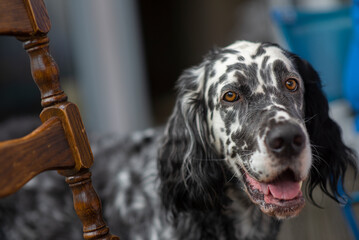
(119, 61)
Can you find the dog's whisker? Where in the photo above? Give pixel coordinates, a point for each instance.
(310, 118)
(317, 170)
(233, 176)
(209, 160)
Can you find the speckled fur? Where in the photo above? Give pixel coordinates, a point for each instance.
(184, 182)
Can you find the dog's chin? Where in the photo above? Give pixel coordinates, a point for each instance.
(281, 198)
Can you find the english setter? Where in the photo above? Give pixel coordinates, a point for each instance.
(250, 124)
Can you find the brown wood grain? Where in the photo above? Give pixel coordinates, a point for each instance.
(88, 206)
(75, 133)
(44, 70)
(23, 18)
(14, 19)
(38, 15)
(44, 149)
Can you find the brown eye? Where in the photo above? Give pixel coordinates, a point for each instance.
(230, 96)
(291, 84)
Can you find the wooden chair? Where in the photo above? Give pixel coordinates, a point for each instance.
(60, 143)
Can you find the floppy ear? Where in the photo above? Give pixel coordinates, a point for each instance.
(191, 174)
(331, 156)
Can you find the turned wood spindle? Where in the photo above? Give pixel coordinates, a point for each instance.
(88, 206)
(45, 71)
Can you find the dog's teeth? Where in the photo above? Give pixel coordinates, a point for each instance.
(300, 184)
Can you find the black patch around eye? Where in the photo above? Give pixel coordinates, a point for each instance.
(242, 81)
(280, 71)
(245, 90)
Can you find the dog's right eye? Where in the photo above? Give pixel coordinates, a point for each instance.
(230, 96)
(291, 84)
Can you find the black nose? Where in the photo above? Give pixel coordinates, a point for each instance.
(285, 140)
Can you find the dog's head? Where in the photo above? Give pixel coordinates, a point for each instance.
(254, 113)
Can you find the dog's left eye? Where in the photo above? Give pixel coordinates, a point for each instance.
(230, 96)
(291, 84)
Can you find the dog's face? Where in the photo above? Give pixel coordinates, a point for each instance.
(250, 113)
(255, 112)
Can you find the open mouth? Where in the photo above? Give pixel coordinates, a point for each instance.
(281, 197)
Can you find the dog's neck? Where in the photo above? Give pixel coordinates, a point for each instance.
(249, 222)
(239, 219)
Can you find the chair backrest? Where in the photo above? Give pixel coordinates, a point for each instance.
(60, 143)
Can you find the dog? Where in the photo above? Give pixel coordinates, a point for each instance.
(249, 125)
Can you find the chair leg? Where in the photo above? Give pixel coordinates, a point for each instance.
(88, 206)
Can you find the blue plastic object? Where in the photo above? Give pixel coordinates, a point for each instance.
(347, 210)
(351, 89)
(351, 86)
(322, 38)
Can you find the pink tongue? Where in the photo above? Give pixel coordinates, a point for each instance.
(284, 189)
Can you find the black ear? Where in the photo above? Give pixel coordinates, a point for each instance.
(331, 156)
(191, 173)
